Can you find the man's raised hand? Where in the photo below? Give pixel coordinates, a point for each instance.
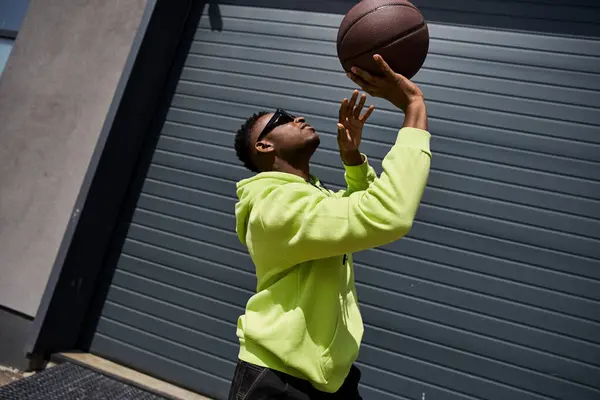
(350, 127)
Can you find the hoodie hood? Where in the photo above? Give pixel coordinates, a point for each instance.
(250, 190)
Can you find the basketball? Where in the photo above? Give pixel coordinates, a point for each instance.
(394, 29)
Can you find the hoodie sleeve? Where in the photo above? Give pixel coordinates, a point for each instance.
(300, 223)
(357, 178)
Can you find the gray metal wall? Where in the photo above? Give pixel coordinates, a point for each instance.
(495, 293)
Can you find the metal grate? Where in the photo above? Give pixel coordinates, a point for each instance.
(72, 382)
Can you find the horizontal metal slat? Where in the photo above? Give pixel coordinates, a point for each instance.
(458, 96)
(190, 337)
(368, 392)
(585, 189)
(201, 267)
(509, 211)
(442, 146)
(186, 211)
(419, 247)
(510, 192)
(216, 236)
(515, 9)
(541, 351)
(539, 59)
(279, 15)
(211, 217)
(320, 63)
(170, 312)
(517, 194)
(228, 115)
(189, 196)
(191, 282)
(463, 318)
(191, 247)
(220, 130)
(455, 164)
(477, 365)
(390, 382)
(508, 250)
(182, 298)
(550, 7)
(415, 275)
(483, 378)
(186, 163)
(524, 159)
(535, 41)
(265, 100)
(188, 180)
(544, 238)
(195, 379)
(548, 355)
(451, 107)
(166, 348)
(505, 310)
(430, 77)
(581, 264)
(414, 257)
(518, 176)
(272, 27)
(437, 45)
(511, 23)
(449, 378)
(553, 11)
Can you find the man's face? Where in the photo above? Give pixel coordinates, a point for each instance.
(289, 140)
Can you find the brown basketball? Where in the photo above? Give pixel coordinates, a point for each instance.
(395, 29)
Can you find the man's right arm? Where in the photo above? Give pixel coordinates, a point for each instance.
(308, 225)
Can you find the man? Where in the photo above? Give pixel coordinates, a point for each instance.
(301, 331)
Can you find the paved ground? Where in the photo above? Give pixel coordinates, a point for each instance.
(8, 375)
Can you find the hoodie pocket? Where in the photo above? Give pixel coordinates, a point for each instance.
(342, 350)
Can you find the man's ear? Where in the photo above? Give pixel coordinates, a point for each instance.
(263, 146)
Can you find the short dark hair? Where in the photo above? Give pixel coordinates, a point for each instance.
(242, 142)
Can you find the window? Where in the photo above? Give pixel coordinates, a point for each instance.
(12, 13)
(6, 46)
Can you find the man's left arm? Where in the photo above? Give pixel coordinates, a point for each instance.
(358, 173)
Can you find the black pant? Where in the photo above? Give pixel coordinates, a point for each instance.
(251, 382)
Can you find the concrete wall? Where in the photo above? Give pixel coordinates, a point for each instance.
(54, 96)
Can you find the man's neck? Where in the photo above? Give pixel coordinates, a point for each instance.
(302, 170)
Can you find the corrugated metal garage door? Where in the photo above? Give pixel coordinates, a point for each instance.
(495, 293)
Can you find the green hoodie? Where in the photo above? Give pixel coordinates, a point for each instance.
(304, 319)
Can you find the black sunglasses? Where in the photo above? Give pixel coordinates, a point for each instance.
(280, 117)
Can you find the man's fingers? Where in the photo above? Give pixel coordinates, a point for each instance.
(343, 111)
(359, 107)
(367, 114)
(341, 131)
(367, 87)
(351, 103)
(385, 68)
(364, 75)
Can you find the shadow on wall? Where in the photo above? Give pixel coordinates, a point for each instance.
(562, 17)
(214, 16)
